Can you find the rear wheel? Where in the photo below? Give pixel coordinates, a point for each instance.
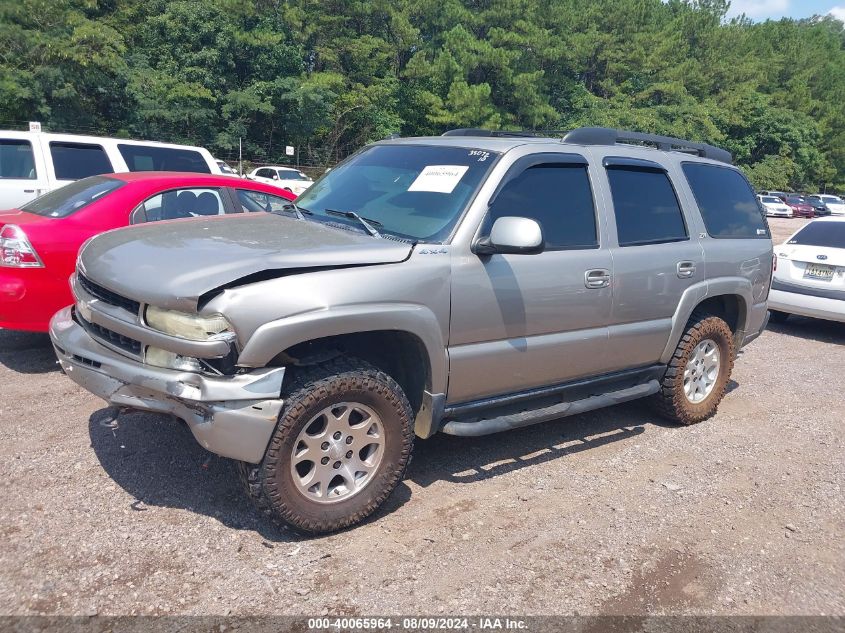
(697, 376)
(341, 446)
(776, 316)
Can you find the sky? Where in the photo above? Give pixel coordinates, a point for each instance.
(776, 9)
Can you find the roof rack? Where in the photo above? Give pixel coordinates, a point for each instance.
(610, 136)
(606, 136)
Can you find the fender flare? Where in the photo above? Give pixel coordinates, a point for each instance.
(276, 336)
(739, 287)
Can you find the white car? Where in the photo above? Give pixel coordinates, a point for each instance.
(33, 163)
(775, 206)
(286, 178)
(809, 272)
(834, 203)
(225, 168)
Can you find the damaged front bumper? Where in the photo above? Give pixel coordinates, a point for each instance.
(233, 416)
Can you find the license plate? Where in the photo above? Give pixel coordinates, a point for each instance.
(819, 271)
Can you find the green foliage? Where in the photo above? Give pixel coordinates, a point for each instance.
(330, 75)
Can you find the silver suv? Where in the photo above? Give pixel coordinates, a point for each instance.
(468, 284)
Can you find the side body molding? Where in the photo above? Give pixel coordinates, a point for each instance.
(695, 294)
(276, 336)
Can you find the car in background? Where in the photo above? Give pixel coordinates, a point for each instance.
(33, 163)
(835, 204)
(819, 207)
(286, 178)
(800, 207)
(39, 241)
(776, 194)
(809, 273)
(225, 168)
(774, 206)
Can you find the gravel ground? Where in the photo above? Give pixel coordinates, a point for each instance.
(612, 512)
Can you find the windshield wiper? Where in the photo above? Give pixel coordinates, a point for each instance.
(301, 212)
(365, 222)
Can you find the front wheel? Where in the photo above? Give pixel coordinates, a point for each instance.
(341, 446)
(697, 376)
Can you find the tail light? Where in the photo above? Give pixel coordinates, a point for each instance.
(15, 249)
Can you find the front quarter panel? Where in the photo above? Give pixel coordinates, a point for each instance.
(412, 296)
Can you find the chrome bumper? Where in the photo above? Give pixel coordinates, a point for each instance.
(233, 416)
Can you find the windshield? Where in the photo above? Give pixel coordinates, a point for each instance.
(828, 234)
(771, 199)
(796, 200)
(831, 199)
(414, 191)
(69, 199)
(288, 174)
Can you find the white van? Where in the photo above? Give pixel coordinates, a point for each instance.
(33, 163)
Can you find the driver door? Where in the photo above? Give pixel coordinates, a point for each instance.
(521, 321)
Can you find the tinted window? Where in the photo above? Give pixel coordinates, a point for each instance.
(827, 234)
(151, 158)
(258, 201)
(71, 198)
(16, 159)
(72, 161)
(413, 191)
(180, 203)
(726, 201)
(646, 208)
(558, 197)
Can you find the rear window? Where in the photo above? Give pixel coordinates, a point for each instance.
(726, 201)
(16, 160)
(826, 234)
(151, 158)
(69, 199)
(73, 161)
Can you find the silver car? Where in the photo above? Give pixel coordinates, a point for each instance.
(466, 284)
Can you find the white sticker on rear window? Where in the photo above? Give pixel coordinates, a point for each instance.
(439, 178)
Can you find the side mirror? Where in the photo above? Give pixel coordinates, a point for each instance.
(275, 176)
(512, 235)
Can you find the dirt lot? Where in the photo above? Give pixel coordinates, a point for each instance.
(609, 512)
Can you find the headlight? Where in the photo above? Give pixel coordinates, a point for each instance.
(190, 326)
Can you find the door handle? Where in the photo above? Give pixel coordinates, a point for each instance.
(597, 278)
(685, 269)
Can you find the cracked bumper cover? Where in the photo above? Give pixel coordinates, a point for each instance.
(232, 416)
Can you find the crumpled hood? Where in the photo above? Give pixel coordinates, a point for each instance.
(171, 264)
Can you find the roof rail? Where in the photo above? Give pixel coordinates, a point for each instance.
(610, 136)
(475, 131)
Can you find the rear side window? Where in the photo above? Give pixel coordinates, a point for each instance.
(69, 199)
(16, 160)
(180, 203)
(73, 161)
(824, 234)
(558, 197)
(150, 158)
(646, 207)
(726, 201)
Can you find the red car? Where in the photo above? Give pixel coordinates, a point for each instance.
(800, 207)
(40, 241)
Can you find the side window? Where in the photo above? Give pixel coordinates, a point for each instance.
(558, 197)
(258, 201)
(74, 161)
(152, 158)
(265, 173)
(726, 201)
(16, 159)
(179, 203)
(645, 205)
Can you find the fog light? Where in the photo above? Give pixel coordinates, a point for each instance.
(171, 360)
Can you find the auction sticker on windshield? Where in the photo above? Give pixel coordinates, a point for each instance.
(439, 178)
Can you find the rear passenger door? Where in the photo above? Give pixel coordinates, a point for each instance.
(521, 321)
(656, 258)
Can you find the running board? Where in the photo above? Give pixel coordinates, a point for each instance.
(552, 412)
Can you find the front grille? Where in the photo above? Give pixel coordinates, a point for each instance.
(104, 294)
(118, 340)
